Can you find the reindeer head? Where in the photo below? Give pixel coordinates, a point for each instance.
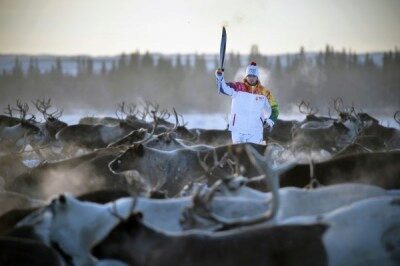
(23, 109)
(306, 109)
(43, 106)
(133, 137)
(162, 141)
(53, 124)
(366, 120)
(129, 111)
(127, 160)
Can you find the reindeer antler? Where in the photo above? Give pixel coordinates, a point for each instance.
(22, 108)
(164, 114)
(338, 105)
(216, 163)
(343, 110)
(127, 110)
(176, 121)
(132, 110)
(120, 109)
(396, 117)
(8, 111)
(305, 108)
(44, 105)
(153, 130)
(146, 109)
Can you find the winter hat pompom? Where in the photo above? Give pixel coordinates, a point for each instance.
(252, 69)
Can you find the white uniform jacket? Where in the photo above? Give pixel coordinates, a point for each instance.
(248, 111)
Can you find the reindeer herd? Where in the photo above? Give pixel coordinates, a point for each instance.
(136, 189)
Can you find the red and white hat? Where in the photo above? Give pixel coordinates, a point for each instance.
(252, 69)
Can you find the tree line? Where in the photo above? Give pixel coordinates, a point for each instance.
(190, 86)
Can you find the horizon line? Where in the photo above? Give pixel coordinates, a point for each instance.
(192, 53)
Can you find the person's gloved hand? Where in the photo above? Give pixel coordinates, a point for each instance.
(219, 75)
(268, 124)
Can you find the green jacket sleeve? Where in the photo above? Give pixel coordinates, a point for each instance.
(274, 107)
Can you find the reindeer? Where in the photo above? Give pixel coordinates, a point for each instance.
(172, 170)
(19, 135)
(253, 246)
(306, 109)
(122, 109)
(318, 240)
(282, 131)
(162, 115)
(363, 144)
(330, 138)
(285, 203)
(62, 226)
(375, 168)
(163, 141)
(52, 122)
(94, 137)
(81, 174)
(55, 223)
(388, 135)
(214, 137)
(11, 165)
(311, 120)
(11, 200)
(43, 141)
(19, 251)
(327, 133)
(8, 120)
(167, 142)
(77, 175)
(350, 118)
(372, 221)
(396, 117)
(137, 119)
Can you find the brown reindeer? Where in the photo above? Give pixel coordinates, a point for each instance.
(16, 137)
(52, 122)
(97, 136)
(172, 170)
(375, 168)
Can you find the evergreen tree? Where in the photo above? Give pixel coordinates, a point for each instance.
(56, 70)
(277, 72)
(147, 61)
(103, 70)
(89, 66)
(122, 63)
(199, 64)
(17, 71)
(134, 61)
(31, 69)
(255, 54)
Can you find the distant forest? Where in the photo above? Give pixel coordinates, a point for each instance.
(191, 87)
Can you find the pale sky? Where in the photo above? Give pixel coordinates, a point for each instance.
(109, 27)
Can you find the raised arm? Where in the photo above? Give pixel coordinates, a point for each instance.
(222, 87)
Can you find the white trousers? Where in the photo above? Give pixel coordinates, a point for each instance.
(256, 138)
